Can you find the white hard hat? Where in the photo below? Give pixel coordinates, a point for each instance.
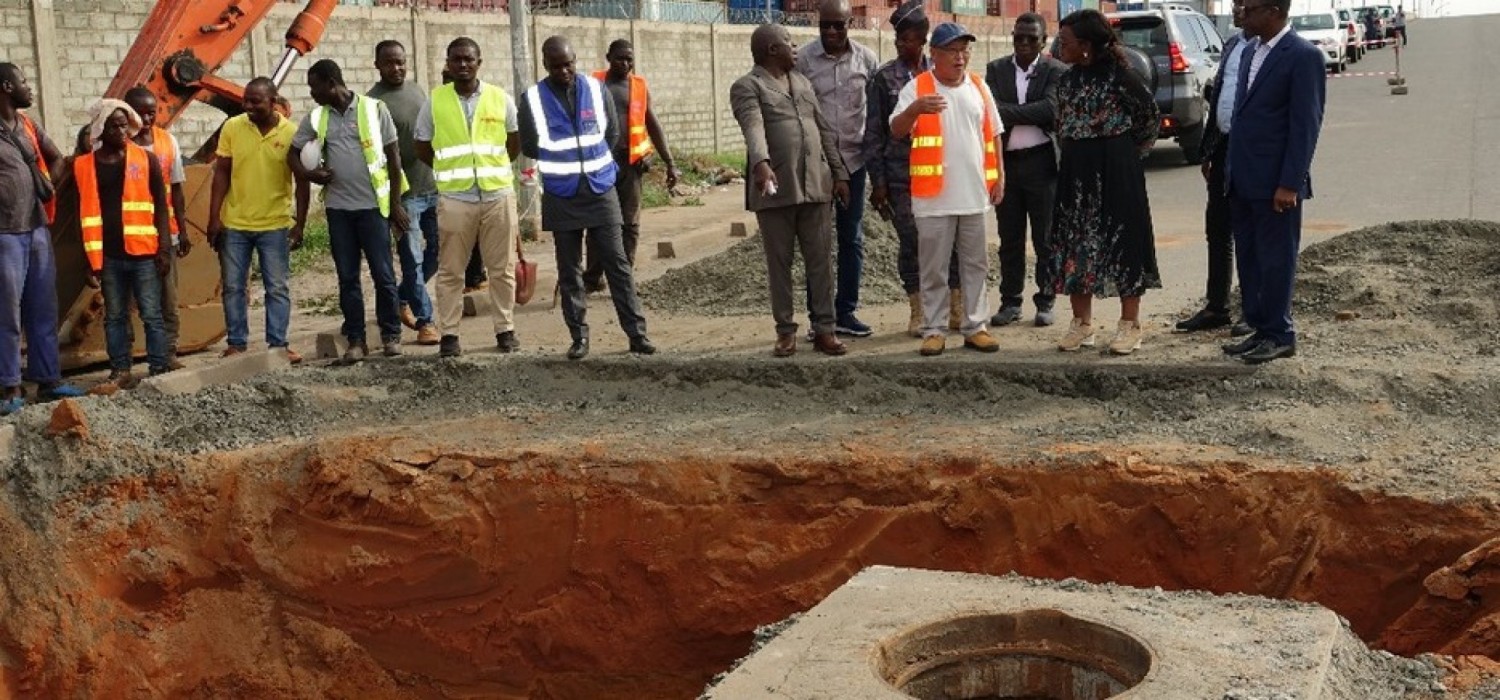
(312, 155)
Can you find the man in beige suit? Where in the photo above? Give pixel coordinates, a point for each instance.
(796, 172)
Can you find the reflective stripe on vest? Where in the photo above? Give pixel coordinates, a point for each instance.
(465, 155)
(137, 211)
(565, 153)
(367, 118)
(41, 164)
(927, 143)
(166, 157)
(640, 140)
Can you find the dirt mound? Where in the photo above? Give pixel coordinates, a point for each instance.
(1446, 273)
(733, 283)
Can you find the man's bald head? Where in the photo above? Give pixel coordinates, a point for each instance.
(765, 40)
(557, 59)
(833, 9)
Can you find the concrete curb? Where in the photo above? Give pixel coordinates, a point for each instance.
(226, 371)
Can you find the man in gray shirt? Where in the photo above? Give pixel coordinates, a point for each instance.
(362, 184)
(839, 69)
(417, 249)
(28, 277)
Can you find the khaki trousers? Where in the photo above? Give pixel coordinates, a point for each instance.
(493, 226)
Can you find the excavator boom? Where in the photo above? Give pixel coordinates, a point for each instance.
(177, 56)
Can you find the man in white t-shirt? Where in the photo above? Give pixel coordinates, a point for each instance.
(956, 176)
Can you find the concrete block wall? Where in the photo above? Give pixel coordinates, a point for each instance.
(690, 66)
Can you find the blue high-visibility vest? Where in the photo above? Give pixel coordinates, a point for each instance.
(567, 154)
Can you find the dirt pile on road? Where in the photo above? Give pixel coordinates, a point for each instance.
(1442, 273)
(733, 283)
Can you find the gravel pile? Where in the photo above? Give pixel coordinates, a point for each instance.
(733, 283)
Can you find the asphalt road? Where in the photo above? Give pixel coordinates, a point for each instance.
(1430, 154)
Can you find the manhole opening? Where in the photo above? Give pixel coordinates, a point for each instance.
(1028, 655)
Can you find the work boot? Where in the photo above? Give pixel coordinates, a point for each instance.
(955, 309)
(641, 345)
(427, 335)
(173, 363)
(507, 341)
(982, 341)
(408, 318)
(914, 326)
(123, 379)
(932, 345)
(356, 353)
(448, 347)
(786, 345)
(391, 347)
(579, 349)
(829, 344)
(231, 351)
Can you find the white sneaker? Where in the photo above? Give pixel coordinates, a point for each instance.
(1080, 335)
(1127, 338)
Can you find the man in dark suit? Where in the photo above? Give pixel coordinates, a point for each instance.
(795, 172)
(1221, 96)
(1023, 85)
(1277, 117)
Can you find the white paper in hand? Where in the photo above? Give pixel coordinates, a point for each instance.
(312, 155)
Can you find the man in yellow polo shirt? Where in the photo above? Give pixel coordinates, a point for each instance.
(250, 211)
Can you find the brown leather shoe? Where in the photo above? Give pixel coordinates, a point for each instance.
(408, 318)
(828, 344)
(786, 345)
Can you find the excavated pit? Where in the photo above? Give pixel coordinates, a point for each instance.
(446, 560)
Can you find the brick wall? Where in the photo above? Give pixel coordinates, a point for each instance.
(690, 66)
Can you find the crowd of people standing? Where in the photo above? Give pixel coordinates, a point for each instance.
(1050, 144)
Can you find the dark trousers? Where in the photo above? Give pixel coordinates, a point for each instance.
(848, 224)
(628, 189)
(1030, 191)
(121, 281)
(782, 231)
(28, 302)
(364, 234)
(1219, 231)
(1267, 244)
(604, 244)
(474, 274)
(907, 266)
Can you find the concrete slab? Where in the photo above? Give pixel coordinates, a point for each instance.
(224, 371)
(332, 344)
(893, 633)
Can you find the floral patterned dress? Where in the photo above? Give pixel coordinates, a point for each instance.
(1102, 242)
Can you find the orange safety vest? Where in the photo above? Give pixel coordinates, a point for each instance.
(137, 210)
(640, 141)
(927, 144)
(166, 155)
(41, 164)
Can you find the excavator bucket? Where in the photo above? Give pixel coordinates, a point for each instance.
(81, 307)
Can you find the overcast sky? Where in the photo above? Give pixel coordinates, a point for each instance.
(1468, 7)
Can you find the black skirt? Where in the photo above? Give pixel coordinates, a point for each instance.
(1102, 242)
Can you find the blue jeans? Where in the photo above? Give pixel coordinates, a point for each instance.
(28, 301)
(121, 280)
(356, 234)
(418, 255)
(848, 224)
(275, 269)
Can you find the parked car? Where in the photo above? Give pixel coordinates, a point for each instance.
(1372, 26)
(1182, 47)
(1388, 20)
(1353, 47)
(1322, 30)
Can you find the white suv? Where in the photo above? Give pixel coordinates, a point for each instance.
(1323, 30)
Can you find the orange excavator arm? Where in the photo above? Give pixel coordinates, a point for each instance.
(177, 55)
(185, 42)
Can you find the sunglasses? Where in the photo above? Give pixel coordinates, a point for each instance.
(834, 24)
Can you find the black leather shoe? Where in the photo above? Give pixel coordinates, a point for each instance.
(1204, 320)
(641, 345)
(1240, 330)
(1241, 347)
(448, 346)
(507, 341)
(1268, 350)
(579, 350)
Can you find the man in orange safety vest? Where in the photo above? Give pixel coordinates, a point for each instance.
(633, 155)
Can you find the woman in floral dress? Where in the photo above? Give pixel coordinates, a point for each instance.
(1102, 244)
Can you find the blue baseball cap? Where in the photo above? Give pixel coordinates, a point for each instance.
(947, 33)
